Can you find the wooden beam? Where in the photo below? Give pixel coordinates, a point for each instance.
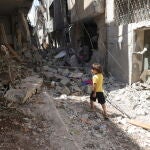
(140, 124)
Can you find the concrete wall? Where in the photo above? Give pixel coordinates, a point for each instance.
(82, 9)
(117, 44)
(101, 56)
(122, 42)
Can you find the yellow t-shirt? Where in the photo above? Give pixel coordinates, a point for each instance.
(98, 79)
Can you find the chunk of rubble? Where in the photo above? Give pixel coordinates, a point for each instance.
(15, 96)
(88, 89)
(66, 91)
(26, 89)
(76, 75)
(65, 81)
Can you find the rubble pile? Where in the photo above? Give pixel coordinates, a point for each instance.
(134, 99)
(130, 99)
(66, 81)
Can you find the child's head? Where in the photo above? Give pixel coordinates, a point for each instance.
(96, 68)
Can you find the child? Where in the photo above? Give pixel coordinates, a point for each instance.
(97, 88)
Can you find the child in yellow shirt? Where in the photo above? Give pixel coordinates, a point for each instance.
(97, 88)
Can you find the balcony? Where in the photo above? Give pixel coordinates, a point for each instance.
(84, 9)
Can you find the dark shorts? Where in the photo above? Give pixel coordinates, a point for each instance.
(99, 96)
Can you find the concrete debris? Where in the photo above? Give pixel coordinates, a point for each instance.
(134, 99)
(65, 81)
(25, 90)
(66, 91)
(76, 75)
(60, 55)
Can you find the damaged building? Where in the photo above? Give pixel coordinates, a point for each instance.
(14, 29)
(113, 33)
(128, 39)
(50, 23)
(88, 32)
(15, 38)
(73, 24)
(117, 34)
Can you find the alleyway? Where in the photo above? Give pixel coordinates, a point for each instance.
(58, 115)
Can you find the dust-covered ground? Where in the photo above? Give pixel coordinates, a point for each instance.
(91, 130)
(58, 116)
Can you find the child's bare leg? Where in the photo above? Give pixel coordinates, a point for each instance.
(104, 110)
(92, 104)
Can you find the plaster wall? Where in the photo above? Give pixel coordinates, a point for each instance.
(122, 42)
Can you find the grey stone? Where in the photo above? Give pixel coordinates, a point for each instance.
(65, 72)
(76, 88)
(58, 88)
(85, 116)
(15, 95)
(74, 61)
(66, 91)
(96, 127)
(65, 81)
(76, 75)
(46, 68)
(48, 75)
(88, 89)
(28, 87)
(97, 135)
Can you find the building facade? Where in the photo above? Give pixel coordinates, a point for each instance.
(51, 22)
(128, 42)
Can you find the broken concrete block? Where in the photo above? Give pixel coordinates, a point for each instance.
(76, 88)
(46, 68)
(76, 75)
(15, 96)
(65, 72)
(58, 89)
(48, 75)
(88, 89)
(53, 70)
(66, 91)
(74, 61)
(28, 87)
(65, 81)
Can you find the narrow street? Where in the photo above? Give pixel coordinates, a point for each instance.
(52, 120)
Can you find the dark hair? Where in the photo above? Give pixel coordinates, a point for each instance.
(97, 67)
